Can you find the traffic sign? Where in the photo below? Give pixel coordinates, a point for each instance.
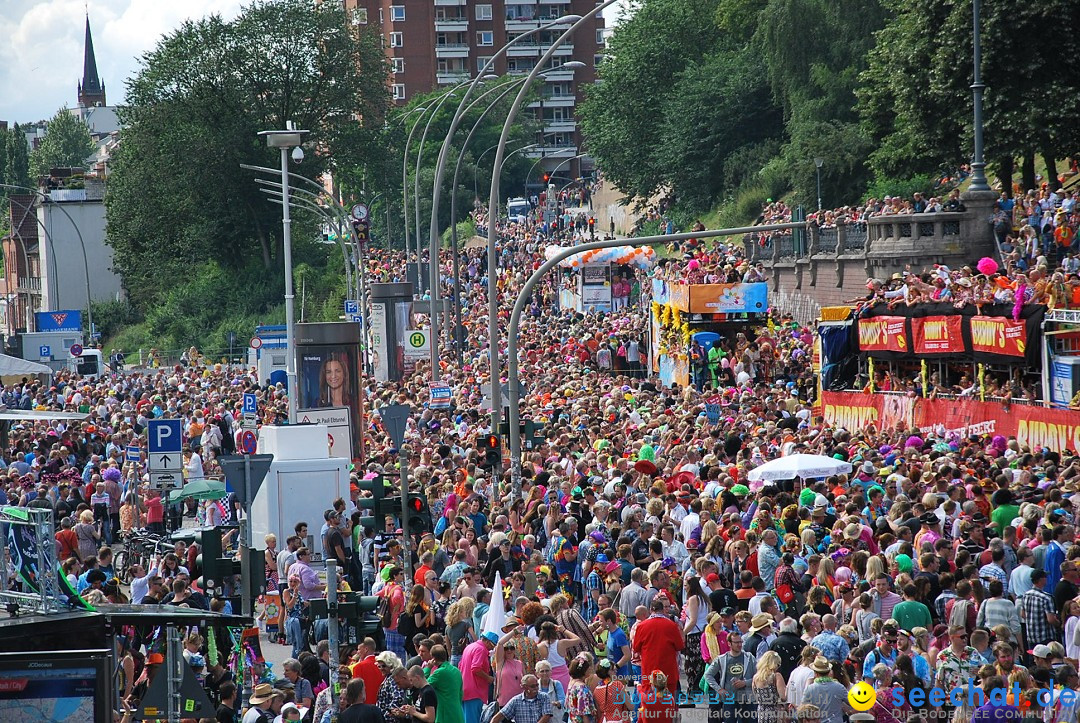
(75, 350)
(248, 442)
(395, 417)
(441, 394)
(251, 404)
(169, 480)
(360, 212)
(255, 342)
(166, 442)
(352, 306)
(417, 345)
(245, 488)
(356, 318)
(133, 453)
(45, 351)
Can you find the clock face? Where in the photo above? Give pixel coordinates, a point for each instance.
(360, 212)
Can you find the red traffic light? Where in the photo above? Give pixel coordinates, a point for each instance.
(592, 221)
(491, 441)
(417, 504)
(547, 178)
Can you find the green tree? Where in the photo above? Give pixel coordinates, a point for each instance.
(66, 144)
(17, 171)
(177, 197)
(646, 56)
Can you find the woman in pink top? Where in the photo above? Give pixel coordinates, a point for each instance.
(508, 669)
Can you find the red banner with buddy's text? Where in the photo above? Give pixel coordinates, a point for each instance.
(998, 335)
(883, 333)
(1036, 427)
(937, 334)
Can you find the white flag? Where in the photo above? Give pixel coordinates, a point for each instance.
(495, 618)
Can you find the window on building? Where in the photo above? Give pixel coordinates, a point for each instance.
(397, 40)
(599, 37)
(597, 60)
(399, 91)
(398, 64)
(483, 12)
(485, 37)
(397, 13)
(481, 62)
(360, 16)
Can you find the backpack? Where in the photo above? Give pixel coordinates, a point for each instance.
(406, 624)
(959, 615)
(385, 608)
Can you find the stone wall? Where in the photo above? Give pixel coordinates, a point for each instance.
(830, 266)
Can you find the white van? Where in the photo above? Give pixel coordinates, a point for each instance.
(517, 209)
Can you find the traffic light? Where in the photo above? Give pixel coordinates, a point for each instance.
(419, 515)
(360, 229)
(547, 177)
(213, 567)
(379, 504)
(357, 613)
(592, 226)
(492, 457)
(256, 565)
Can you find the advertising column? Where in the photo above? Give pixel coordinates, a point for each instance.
(596, 288)
(391, 315)
(328, 367)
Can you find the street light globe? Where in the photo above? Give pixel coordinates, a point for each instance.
(490, 76)
(568, 19)
(819, 162)
(572, 65)
(298, 155)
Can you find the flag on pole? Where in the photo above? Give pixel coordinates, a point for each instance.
(495, 618)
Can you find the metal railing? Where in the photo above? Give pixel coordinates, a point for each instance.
(785, 245)
(828, 238)
(855, 239)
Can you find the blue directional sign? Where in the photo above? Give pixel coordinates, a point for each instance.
(251, 404)
(352, 306)
(133, 453)
(44, 351)
(166, 442)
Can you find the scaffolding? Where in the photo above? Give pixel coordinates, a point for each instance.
(44, 595)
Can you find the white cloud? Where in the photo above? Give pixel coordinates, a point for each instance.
(42, 57)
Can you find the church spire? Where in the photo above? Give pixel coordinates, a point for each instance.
(91, 88)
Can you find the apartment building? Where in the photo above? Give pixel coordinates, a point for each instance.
(440, 43)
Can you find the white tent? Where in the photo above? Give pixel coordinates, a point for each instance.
(805, 466)
(11, 366)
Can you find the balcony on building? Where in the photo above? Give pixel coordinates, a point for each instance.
(452, 50)
(451, 77)
(451, 3)
(560, 126)
(568, 150)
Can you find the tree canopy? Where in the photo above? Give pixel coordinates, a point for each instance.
(66, 144)
(707, 99)
(178, 197)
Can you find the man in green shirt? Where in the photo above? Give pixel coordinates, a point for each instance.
(1005, 510)
(911, 613)
(446, 680)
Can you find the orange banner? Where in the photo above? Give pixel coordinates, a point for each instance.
(1036, 427)
(937, 334)
(883, 333)
(998, 335)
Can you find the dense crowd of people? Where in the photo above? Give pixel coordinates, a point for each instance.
(640, 570)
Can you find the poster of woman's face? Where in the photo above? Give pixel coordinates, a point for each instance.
(329, 377)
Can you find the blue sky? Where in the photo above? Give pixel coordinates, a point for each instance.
(41, 58)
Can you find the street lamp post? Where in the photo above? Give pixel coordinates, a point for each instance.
(286, 140)
(978, 164)
(818, 163)
(405, 184)
(440, 173)
(493, 209)
(45, 199)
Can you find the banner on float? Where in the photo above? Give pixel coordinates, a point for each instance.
(883, 333)
(937, 334)
(1036, 427)
(998, 335)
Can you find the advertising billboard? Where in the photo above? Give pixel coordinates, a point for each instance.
(328, 370)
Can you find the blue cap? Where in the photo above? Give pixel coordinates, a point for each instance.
(491, 637)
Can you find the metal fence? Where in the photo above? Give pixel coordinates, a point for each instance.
(854, 239)
(828, 238)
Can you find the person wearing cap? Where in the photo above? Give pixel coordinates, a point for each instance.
(476, 675)
(883, 652)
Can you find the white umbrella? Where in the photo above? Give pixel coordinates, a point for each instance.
(806, 466)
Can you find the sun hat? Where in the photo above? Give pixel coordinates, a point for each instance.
(760, 622)
(262, 693)
(491, 637)
(821, 665)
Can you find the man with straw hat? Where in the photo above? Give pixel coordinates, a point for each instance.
(824, 692)
(260, 700)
